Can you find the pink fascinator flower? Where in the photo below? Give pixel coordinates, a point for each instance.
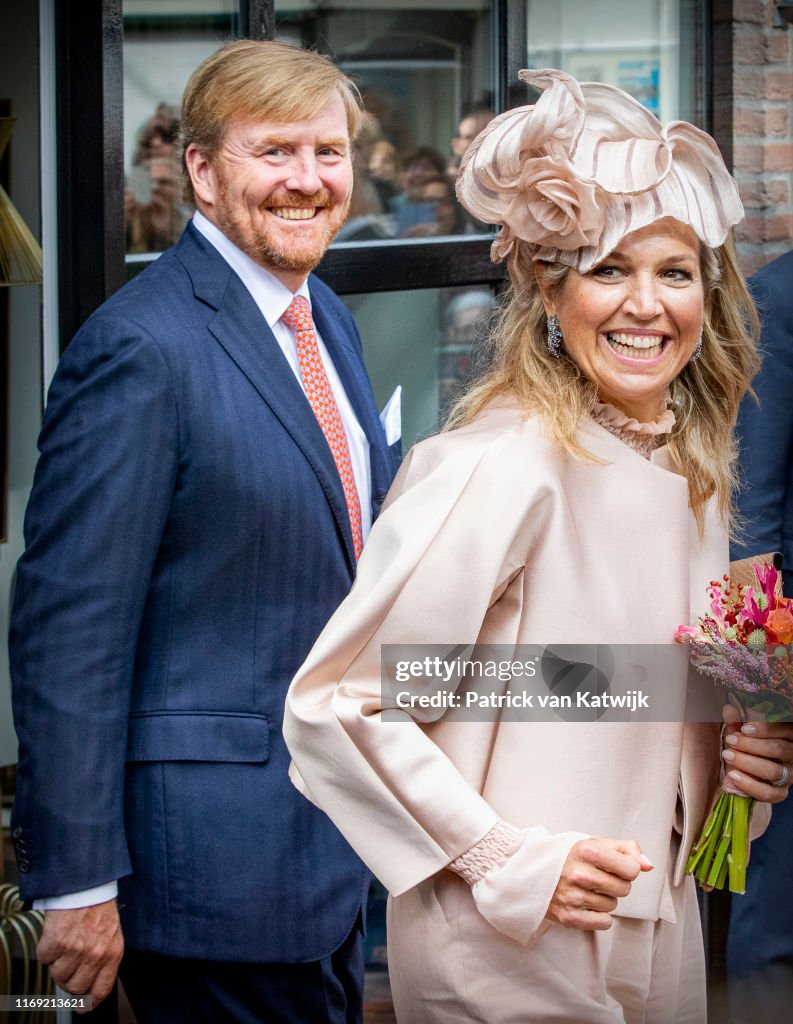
(572, 174)
(552, 206)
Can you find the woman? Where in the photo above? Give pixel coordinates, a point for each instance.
(536, 870)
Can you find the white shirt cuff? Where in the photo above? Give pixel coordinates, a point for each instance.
(75, 900)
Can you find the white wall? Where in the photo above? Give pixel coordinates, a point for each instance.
(614, 41)
(19, 61)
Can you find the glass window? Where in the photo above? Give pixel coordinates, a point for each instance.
(164, 41)
(646, 47)
(431, 341)
(425, 71)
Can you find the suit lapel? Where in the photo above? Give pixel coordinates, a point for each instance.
(240, 329)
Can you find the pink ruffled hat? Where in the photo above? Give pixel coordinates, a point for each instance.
(575, 172)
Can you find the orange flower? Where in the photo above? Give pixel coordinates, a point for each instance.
(780, 624)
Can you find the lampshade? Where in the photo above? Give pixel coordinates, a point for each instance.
(20, 253)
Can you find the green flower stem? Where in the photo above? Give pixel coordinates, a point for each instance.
(703, 850)
(720, 854)
(723, 849)
(742, 807)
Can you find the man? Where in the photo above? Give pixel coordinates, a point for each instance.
(760, 940)
(211, 459)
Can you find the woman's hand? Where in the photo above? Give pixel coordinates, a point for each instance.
(596, 874)
(755, 754)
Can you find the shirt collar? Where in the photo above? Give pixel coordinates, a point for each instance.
(270, 295)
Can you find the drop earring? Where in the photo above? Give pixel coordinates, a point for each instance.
(697, 351)
(554, 336)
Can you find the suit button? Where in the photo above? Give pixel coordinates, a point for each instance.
(17, 832)
(23, 865)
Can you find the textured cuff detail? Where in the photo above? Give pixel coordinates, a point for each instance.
(489, 851)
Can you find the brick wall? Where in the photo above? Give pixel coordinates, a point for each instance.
(761, 128)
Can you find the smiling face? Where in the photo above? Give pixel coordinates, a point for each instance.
(632, 323)
(279, 191)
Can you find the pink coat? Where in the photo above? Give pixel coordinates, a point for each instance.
(489, 534)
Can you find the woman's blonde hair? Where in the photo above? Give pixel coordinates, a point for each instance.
(259, 80)
(705, 396)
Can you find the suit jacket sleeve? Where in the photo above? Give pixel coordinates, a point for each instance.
(453, 533)
(101, 494)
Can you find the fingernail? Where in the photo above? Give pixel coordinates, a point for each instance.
(728, 755)
(735, 775)
(646, 861)
(732, 739)
(749, 728)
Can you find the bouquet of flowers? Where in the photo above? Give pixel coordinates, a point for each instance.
(744, 643)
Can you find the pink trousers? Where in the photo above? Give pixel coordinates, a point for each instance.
(449, 966)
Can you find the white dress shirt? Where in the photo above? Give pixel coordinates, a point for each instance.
(273, 298)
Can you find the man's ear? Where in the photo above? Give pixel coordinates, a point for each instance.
(199, 167)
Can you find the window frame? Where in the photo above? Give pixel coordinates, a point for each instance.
(92, 260)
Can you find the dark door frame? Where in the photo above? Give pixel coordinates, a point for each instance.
(89, 45)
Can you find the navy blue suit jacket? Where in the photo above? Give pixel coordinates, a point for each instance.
(187, 540)
(765, 431)
(760, 924)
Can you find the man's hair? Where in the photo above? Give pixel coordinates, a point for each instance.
(259, 80)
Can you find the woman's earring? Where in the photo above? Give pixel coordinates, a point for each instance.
(697, 351)
(554, 336)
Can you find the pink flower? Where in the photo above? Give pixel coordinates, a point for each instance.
(767, 577)
(750, 613)
(552, 206)
(518, 172)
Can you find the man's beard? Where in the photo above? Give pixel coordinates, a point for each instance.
(262, 247)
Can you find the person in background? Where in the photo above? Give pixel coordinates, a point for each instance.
(467, 130)
(438, 195)
(159, 135)
(211, 461)
(760, 937)
(470, 126)
(154, 216)
(384, 170)
(463, 350)
(366, 200)
(410, 208)
(156, 223)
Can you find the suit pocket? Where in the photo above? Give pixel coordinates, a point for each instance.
(232, 737)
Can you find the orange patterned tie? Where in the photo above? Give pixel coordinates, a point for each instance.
(320, 396)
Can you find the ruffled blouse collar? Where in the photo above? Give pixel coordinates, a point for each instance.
(644, 438)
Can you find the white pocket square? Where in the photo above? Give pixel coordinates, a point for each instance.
(391, 416)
